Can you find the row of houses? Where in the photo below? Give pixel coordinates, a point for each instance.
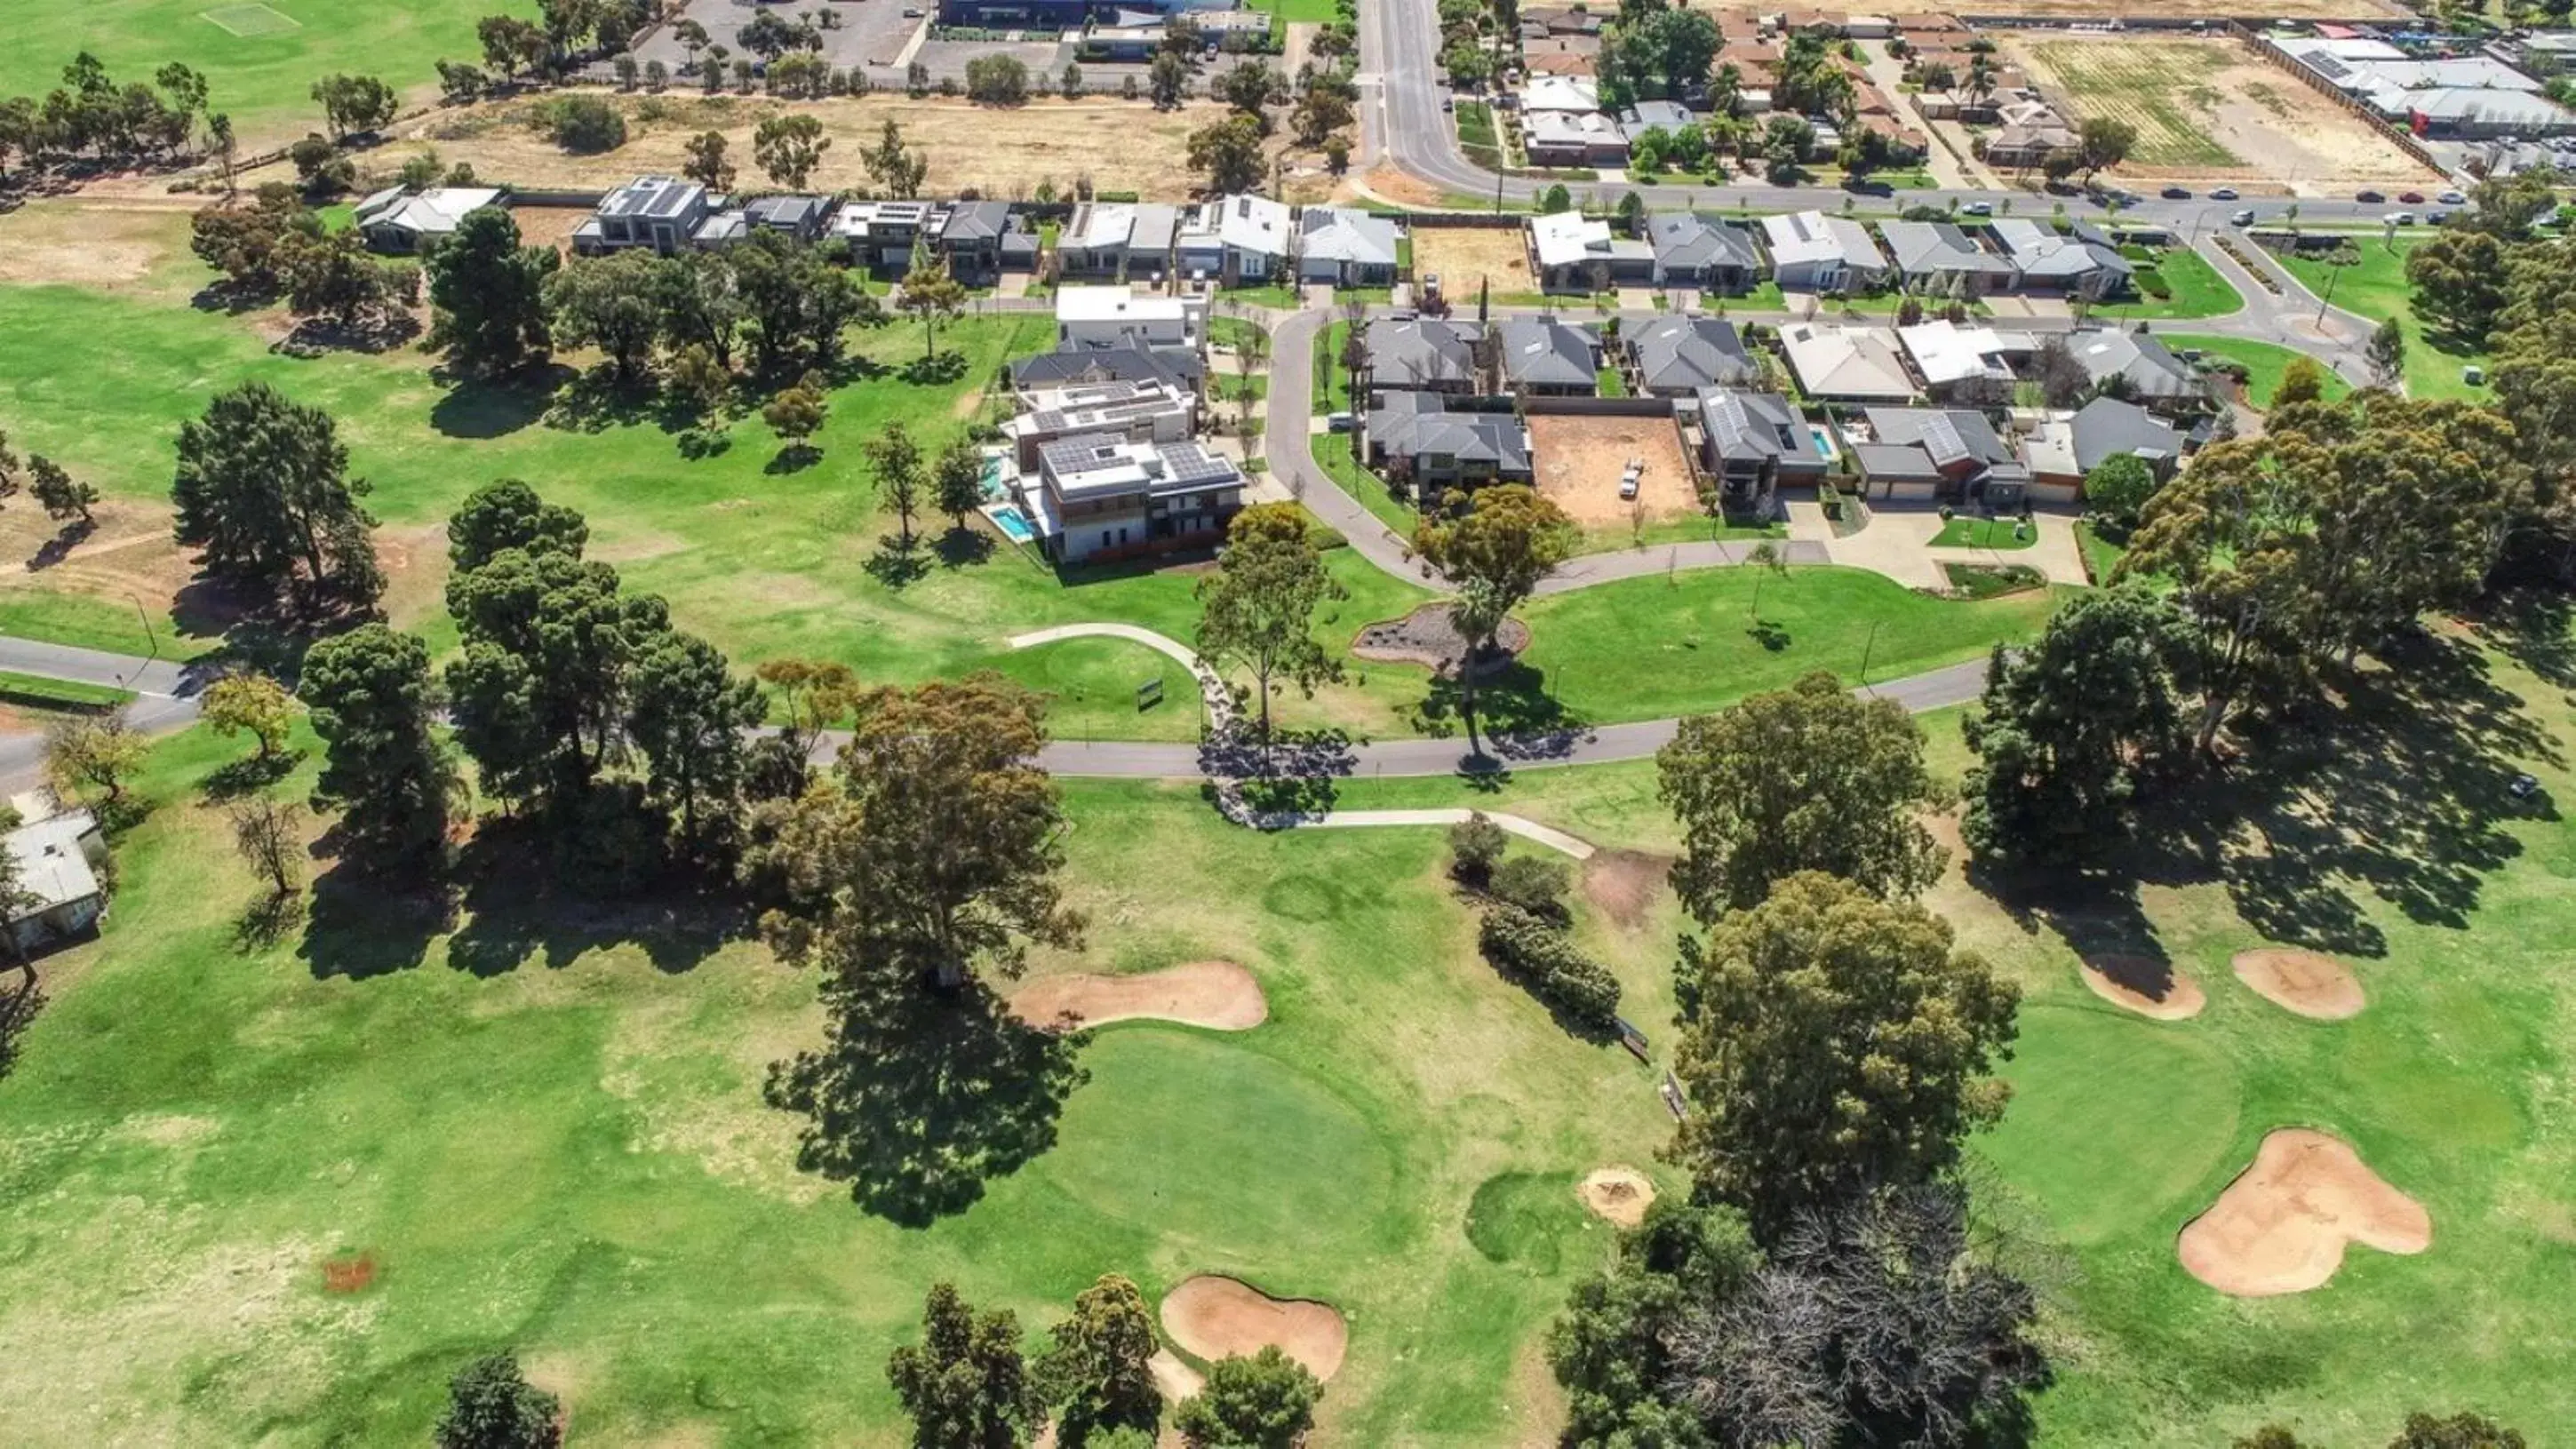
(1231, 241)
(1812, 251)
(2435, 93)
(1445, 399)
(1562, 122)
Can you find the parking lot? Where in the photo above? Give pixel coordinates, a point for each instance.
(866, 34)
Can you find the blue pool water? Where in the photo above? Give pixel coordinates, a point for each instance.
(1013, 523)
(992, 476)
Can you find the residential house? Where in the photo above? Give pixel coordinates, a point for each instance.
(2081, 264)
(1140, 412)
(1751, 441)
(881, 236)
(2064, 448)
(1926, 453)
(1429, 443)
(1836, 363)
(1670, 356)
(1423, 354)
(2139, 367)
(800, 218)
(1571, 252)
(1875, 114)
(1093, 241)
(1561, 20)
(1942, 259)
(1550, 358)
(1813, 252)
(1560, 93)
(59, 892)
(1346, 246)
(1181, 368)
(2027, 133)
(1576, 139)
(980, 240)
(1644, 116)
(1703, 252)
(661, 212)
(402, 221)
(1237, 241)
(1966, 364)
(1104, 496)
(1565, 55)
(1116, 317)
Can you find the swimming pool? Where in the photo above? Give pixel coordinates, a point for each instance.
(1011, 521)
(994, 476)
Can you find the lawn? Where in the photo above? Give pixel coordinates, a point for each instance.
(264, 78)
(1996, 533)
(1332, 452)
(2101, 555)
(2376, 288)
(43, 693)
(2264, 363)
(2194, 288)
(545, 1131)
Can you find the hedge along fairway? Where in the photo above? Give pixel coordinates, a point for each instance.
(282, 1195)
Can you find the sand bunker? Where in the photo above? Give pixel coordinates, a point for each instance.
(2146, 986)
(1620, 1194)
(1216, 1318)
(1215, 994)
(1176, 1379)
(2282, 1224)
(2314, 986)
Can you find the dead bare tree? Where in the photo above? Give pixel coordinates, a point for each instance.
(269, 834)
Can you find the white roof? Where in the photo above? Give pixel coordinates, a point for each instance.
(1567, 237)
(52, 867)
(1252, 224)
(1347, 234)
(1117, 304)
(1812, 236)
(434, 212)
(1104, 224)
(1846, 361)
(2050, 447)
(1560, 93)
(1944, 352)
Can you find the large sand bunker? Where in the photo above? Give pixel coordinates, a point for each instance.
(1620, 1194)
(2145, 985)
(1216, 1318)
(1215, 994)
(2282, 1224)
(2302, 981)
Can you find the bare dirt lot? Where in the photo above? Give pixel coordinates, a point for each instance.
(2208, 109)
(1579, 461)
(1461, 256)
(1007, 152)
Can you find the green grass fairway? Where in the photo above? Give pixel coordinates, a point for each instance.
(259, 59)
(2376, 288)
(2264, 364)
(565, 1149)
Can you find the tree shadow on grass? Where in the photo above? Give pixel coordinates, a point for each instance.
(792, 459)
(250, 774)
(20, 999)
(1516, 717)
(59, 547)
(361, 927)
(1296, 772)
(2533, 627)
(918, 1098)
(597, 399)
(898, 562)
(962, 547)
(486, 408)
(517, 909)
(266, 921)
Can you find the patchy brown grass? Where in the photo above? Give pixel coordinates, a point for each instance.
(1463, 256)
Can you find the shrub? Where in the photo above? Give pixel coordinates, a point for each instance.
(1545, 961)
(1533, 883)
(1326, 539)
(584, 125)
(1475, 844)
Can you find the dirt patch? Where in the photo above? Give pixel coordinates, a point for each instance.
(1426, 637)
(993, 151)
(2319, 987)
(1216, 1318)
(1218, 995)
(1581, 460)
(2145, 985)
(350, 1274)
(1463, 257)
(89, 244)
(1623, 883)
(1408, 190)
(2281, 1226)
(1617, 1194)
(2210, 108)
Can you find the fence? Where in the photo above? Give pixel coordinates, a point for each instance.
(1597, 407)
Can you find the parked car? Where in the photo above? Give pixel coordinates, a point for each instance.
(1341, 422)
(1979, 208)
(2223, 193)
(1629, 478)
(2451, 198)
(2402, 218)
(2436, 218)
(2412, 198)
(2368, 196)
(2244, 216)
(2176, 193)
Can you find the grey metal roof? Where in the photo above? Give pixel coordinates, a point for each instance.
(1690, 242)
(976, 221)
(1412, 424)
(2142, 358)
(1419, 351)
(1746, 426)
(1182, 367)
(2107, 427)
(1946, 435)
(1677, 353)
(1541, 351)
